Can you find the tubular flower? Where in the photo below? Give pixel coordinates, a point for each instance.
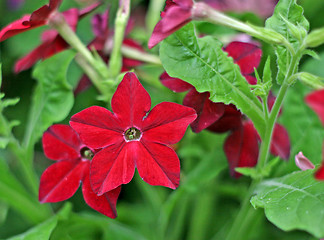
(62, 179)
(176, 14)
(131, 137)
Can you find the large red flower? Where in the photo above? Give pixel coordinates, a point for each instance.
(37, 19)
(131, 137)
(62, 179)
(52, 42)
(176, 14)
(315, 101)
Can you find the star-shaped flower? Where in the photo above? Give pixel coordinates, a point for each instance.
(62, 179)
(131, 137)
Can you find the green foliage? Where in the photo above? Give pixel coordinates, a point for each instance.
(288, 20)
(203, 63)
(53, 96)
(295, 201)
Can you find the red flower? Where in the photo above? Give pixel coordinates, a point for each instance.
(177, 13)
(242, 145)
(62, 179)
(103, 41)
(315, 101)
(132, 138)
(37, 19)
(52, 42)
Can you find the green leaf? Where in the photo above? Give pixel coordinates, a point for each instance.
(287, 14)
(53, 96)
(203, 63)
(44, 230)
(295, 201)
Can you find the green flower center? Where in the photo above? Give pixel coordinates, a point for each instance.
(132, 134)
(86, 153)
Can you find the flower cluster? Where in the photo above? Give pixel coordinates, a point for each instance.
(104, 148)
(242, 145)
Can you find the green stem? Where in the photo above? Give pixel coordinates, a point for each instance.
(115, 62)
(136, 54)
(153, 14)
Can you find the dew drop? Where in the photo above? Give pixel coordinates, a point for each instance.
(288, 208)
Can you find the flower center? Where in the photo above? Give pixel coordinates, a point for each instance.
(86, 153)
(132, 134)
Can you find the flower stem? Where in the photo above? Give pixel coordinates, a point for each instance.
(115, 63)
(136, 54)
(153, 14)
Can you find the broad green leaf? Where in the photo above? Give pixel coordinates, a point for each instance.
(44, 230)
(52, 98)
(286, 14)
(3, 212)
(203, 63)
(295, 201)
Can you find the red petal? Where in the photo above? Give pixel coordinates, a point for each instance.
(61, 180)
(71, 17)
(105, 204)
(315, 101)
(85, 11)
(251, 80)
(319, 175)
(83, 85)
(113, 166)
(15, 28)
(208, 112)
(241, 148)
(174, 17)
(167, 122)
(130, 102)
(246, 55)
(158, 35)
(231, 120)
(175, 84)
(97, 127)
(280, 143)
(158, 164)
(40, 16)
(60, 142)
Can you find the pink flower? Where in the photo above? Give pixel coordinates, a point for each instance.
(37, 19)
(131, 137)
(302, 162)
(177, 13)
(52, 42)
(62, 179)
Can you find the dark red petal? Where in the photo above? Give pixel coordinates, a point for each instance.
(113, 166)
(105, 204)
(315, 101)
(158, 35)
(61, 180)
(175, 84)
(231, 120)
(158, 164)
(99, 24)
(184, 3)
(83, 85)
(246, 55)
(251, 80)
(85, 11)
(54, 4)
(15, 28)
(174, 17)
(60, 142)
(130, 102)
(40, 16)
(167, 122)
(319, 175)
(280, 143)
(208, 112)
(97, 127)
(241, 148)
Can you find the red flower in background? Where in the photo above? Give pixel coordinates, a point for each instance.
(52, 42)
(62, 179)
(176, 14)
(103, 41)
(242, 145)
(129, 138)
(37, 19)
(315, 101)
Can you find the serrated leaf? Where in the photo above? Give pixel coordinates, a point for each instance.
(292, 13)
(53, 97)
(295, 201)
(204, 64)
